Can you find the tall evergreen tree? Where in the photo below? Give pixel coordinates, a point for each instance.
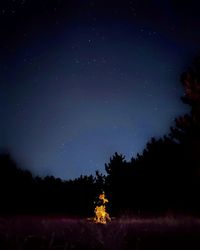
(187, 128)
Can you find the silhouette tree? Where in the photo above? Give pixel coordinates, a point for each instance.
(15, 185)
(187, 132)
(21, 193)
(166, 176)
(187, 129)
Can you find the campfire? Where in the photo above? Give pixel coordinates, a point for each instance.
(101, 216)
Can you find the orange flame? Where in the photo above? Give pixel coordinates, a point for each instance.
(101, 216)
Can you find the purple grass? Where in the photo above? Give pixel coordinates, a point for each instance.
(56, 233)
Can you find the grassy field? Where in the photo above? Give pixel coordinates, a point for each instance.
(59, 233)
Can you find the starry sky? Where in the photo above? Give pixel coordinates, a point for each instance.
(82, 79)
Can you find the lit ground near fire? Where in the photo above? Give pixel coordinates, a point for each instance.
(59, 233)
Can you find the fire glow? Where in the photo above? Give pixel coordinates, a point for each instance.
(101, 216)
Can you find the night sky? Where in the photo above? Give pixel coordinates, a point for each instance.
(82, 79)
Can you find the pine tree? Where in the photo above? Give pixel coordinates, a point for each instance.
(187, 128)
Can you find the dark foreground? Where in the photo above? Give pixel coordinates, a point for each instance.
(35, 233)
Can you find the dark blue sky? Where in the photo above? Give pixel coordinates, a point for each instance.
(83, 79)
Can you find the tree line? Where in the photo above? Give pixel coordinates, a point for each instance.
(164, 178)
